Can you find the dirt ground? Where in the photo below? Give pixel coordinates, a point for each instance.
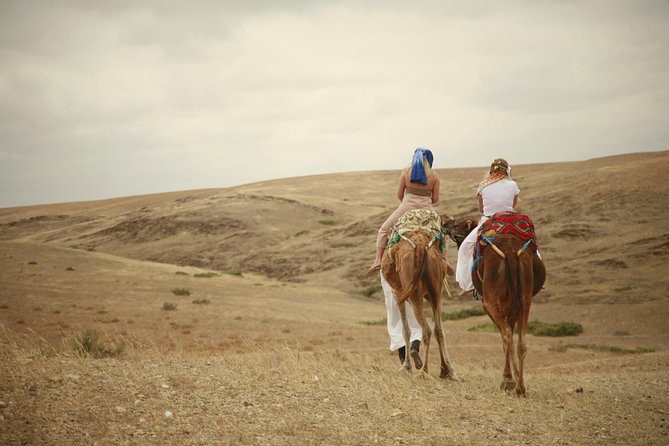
(276, 343)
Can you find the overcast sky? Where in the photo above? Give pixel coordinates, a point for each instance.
(104, 99)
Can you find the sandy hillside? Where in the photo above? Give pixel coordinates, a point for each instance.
(275, 342)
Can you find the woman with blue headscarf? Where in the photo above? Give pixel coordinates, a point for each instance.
(418, 189)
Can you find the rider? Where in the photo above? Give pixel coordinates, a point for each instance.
(418, 189)
(496, 193)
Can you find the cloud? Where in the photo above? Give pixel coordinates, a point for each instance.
(174, 95)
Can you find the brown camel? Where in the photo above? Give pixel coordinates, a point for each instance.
(507, 280)
(414, 268)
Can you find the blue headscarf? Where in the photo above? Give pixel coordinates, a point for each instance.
(417, 169)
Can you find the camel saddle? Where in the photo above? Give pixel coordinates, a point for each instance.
(508, 222)
(415, 219)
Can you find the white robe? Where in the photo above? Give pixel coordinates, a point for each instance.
(395, 320)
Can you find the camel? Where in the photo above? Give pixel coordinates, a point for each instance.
(415, 269)
(508, 274)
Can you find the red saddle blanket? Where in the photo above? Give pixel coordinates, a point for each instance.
(514, 223)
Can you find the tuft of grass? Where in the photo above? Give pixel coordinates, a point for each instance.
(378, 322)
(91, 343)
(487, 327)
(201, 301)
(181, 273)
(372, 289)
(603, 349)
(69, 268)
(327, 222)
(181, 292)
(463, 314)
(206, 275)
(235, 273)
(32, 262)
(538, 328)
(168, 306)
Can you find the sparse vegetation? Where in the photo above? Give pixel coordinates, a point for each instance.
(206, 275)
(602, 348)
(181, 292)
(168, 306)
(181, 273)
(372, 289)
(622, 333)
(92, 343)
(463, 314)
(327, 222)
(487, 327)
(235, 273)
(201, 301)
(538, 328)
(32, 262)
(69, 268)
(377, 322)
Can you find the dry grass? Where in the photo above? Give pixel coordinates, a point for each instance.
(282, 347)
(282, 395)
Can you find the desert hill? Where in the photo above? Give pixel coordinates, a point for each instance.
(601, 225)
(242, 319)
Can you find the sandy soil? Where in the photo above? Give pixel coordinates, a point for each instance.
(281, 346)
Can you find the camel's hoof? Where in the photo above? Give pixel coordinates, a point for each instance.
(448, 374)
(416, 359)
(521, 392)
(508, 386)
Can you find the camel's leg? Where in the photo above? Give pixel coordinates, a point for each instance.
(406, 333)
(427, 331)
(507, 342)
(447, 370)
(522, 352)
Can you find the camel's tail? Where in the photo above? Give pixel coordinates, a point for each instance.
(419, 270)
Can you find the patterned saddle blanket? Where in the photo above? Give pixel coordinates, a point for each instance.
(514, 223)
(413, 220)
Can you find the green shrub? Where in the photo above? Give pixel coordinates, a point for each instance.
(487, 327)
(201, 301)
(372, 289)
(206, 275)
(604, 349)
(168, 306)
(538, 328)
(181, 273)
(378, 322)
(327, 222)
(463, 314)
(181, 292)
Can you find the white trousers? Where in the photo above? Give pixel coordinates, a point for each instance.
(463, 269)
(395, 319)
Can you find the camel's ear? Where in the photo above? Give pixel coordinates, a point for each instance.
(469, 224)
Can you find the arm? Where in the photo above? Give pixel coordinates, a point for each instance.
(480, 197)
(401, 187)
(515, 201)
(435, 190)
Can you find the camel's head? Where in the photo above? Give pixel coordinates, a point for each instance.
(457, 230)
